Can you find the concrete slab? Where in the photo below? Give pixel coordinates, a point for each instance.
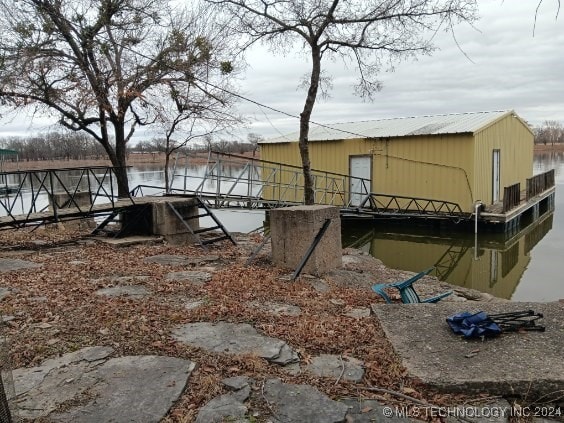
(526, 363)
(294, 228)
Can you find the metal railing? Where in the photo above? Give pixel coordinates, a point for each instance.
(25, 194)
(397, 204)
(511, 197)
(539, 183)
(264, 184)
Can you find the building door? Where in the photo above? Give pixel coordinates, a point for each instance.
(496, 176)
(361, 175)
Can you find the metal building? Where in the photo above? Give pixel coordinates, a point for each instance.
(462, 158)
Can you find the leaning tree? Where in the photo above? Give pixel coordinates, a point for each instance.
(98, 66)
(365, 34)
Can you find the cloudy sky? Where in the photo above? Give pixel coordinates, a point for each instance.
(507, 68)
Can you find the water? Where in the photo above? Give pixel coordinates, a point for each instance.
(523, 268)
(526, 267)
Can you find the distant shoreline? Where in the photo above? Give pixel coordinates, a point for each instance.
(549, 147)
(132, 160)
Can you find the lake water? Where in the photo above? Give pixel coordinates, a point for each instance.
(526, 267)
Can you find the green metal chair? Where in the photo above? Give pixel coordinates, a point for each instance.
(406, 290)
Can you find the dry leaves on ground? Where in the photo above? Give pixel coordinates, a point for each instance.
(56, 310)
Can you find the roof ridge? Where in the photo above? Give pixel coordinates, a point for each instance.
(417, 117)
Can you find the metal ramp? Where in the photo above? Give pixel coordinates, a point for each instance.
(196, 233)
(375, 204)
(229, 181)
(49, 195)
(232, 181)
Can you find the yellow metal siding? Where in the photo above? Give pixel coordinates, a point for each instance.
(515, 143)
(427, 167)
(435, 167)
(456, 168)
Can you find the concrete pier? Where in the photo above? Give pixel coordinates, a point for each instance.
(293, 229)
(82, 199)
(166, 223)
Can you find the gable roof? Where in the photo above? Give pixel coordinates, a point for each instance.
(455, 123)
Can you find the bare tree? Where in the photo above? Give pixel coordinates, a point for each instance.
(203, 106)
(363, 33)
(551, 131)
(97, 65)
(254, 140)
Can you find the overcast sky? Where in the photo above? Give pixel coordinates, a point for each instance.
(508, 68)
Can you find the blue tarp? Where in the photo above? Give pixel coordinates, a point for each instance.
(473, 325)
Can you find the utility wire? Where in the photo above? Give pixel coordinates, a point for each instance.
(247, 99)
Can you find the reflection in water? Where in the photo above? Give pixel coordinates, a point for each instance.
(493, 265)
(546, 160)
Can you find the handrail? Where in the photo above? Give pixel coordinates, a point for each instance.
(511, 197)
(271, 182)
(539, 183)
(27, 191)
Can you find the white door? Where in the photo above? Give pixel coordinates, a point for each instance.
(360, 167)
(496, 176)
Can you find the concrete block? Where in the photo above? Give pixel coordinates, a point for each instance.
(82, 199)
(167, 223)
(293, 229)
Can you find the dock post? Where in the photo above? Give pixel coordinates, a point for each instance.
(477, 206)
(292, 231)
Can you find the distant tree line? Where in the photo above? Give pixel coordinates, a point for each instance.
(222, 145)
(54, 146)
(80, 146)
(550, 132)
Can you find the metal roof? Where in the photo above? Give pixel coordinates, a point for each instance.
(456, 123)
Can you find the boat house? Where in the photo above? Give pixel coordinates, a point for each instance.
(466, 158)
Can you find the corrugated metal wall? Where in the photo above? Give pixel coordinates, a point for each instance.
(456, 168)
(515, 143)
(436, 167)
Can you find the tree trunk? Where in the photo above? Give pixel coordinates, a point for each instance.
(119, 161)
(166, 171)
(309, 194)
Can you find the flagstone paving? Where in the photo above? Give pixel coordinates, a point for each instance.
(98, 388)
(9, 264)
(232, 338)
